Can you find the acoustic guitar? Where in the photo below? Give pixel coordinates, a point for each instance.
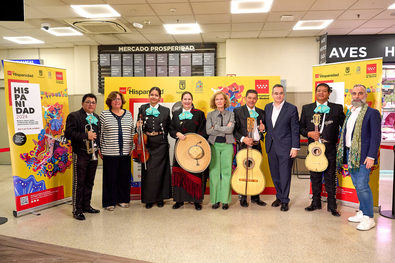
(316, 160)
(247, 178)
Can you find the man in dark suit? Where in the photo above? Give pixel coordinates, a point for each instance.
(83, 162)
(282, 143)
(332, 118)
(241, 134)
(358, 148)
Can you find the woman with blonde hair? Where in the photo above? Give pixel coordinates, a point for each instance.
(116, 144)
(219, 126)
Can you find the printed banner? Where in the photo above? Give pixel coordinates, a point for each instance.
(135, 90)
(37, 107)
(342, 77)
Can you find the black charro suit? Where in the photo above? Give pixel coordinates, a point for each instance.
(240, 130)
(333, 122)
(84, 167)
(279, 141)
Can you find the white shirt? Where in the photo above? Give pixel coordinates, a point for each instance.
(255, 134)
(276, 111)
(351, 123)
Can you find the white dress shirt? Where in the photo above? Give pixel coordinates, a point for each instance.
(350, 124)
(276, 111)
(255, 133)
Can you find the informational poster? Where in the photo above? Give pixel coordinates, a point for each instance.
(136, 91)
(26, 108)
(342, 76)
(37, 107)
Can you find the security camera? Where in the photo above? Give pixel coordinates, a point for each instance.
(45, 26)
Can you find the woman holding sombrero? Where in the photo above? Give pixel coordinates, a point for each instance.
(219, 127)
(188, 185)
(156, 177)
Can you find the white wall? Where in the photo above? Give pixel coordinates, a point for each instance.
(289, 58)
(75, 60)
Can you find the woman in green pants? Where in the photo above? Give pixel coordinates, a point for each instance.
(219, 126)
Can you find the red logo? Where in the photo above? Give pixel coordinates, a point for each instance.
(371, 68)
(59, 76)
(122, 90)
(262, 85)
(9, 72)
(317, 75)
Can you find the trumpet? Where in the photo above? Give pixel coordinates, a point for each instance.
(91, 146)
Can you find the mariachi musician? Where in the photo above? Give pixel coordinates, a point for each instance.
(156, 176)
(83, 129)
(240, 132)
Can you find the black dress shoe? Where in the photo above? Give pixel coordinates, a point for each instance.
(258, 202)
(333, 212)
(148, 205)
(313, 207)
(284, 207)
(243, 203)
(160, 204)
(198, 206)
(79, 216)
(215, 206)
(225, 206)
(91, 210)
(178, 205)
(276, 203)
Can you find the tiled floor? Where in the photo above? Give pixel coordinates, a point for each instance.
(252, 234)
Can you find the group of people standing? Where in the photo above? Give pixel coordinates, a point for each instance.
(113, 132)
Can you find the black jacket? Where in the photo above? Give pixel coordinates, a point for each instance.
(75, 130)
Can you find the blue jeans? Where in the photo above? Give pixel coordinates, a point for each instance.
(360, 179)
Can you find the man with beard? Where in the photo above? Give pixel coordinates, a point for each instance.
(332, 118)
(358, 148)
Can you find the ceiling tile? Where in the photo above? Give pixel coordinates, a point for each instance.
(291, 5)
(247, 27)
(164, 9)
(336, 31)
(106, 40)
(216, 36)
(390, 30)
(211, 8)
(188, 38)
(213, 19)
(134, 10)
(132, 38)
(215, 27)
(160, 38)
(276, 16)
(363, 31)
(274, 33)
(319, 15)
(153, 20)
(367, 4)
(359, 14)
(248, 18)
(332, 5)
(270, 26)
(346, 23)
(153, 30)
(124, 2)
(177, 19)
(304, 33)
(379, 23)
(161, 1)
(245, 34)
(387, 14)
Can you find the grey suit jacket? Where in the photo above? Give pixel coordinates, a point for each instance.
(214, 128)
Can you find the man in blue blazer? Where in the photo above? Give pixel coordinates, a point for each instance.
(358, 148)
(282, 143)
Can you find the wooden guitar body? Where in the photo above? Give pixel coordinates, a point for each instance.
(316, 160)
(247, 178)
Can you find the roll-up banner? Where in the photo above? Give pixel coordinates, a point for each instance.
(136, 89)
(342, 76)
(37, 107)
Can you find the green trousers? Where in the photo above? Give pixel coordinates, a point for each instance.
(221, 172)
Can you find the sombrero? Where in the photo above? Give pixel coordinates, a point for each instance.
(194, 153)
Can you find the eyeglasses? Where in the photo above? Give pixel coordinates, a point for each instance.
(90, 102)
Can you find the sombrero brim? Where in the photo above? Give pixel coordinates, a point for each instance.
(185, 160)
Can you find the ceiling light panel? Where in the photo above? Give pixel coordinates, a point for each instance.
(250, 6)
(312, 24)
(24, 40)
(63, 31)
(179, 29)
(392, 6)
(95, 11)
